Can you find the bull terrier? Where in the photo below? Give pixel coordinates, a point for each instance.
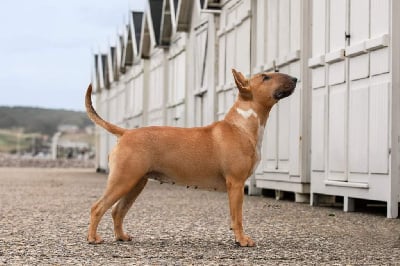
(220, 156)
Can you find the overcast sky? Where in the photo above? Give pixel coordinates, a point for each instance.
(46, 48)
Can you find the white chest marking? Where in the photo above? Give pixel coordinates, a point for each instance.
(246, 113)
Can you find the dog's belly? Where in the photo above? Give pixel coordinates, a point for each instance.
(196, 181)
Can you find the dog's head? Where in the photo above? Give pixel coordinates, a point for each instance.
(264, 88)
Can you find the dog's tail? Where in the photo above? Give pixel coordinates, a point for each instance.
(118, 131)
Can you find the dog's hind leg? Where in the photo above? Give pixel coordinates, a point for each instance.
(118, 185)
(121, 208)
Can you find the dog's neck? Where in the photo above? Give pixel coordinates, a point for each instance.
(249, 118)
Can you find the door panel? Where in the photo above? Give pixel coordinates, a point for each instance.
(379, 128)
(295, 25)
(380, 61)
(359, 21)
(272, 34)
(358, 129)
(230, 60)
(359, 67)
(270, 141)
(283, 24)
(294, 129)
(379, 17)
(318, 28)
(337, 128)
(318, 77)
(337, 25)
(337, 73)
(318, 129)
(283, 133)
(221, 60)
(243, 47)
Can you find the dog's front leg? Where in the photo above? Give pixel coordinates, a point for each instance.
(236, 193)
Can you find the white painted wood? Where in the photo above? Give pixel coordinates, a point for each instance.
(284, 28)
(378, 128)
(336, 73)
(318, 77)
(358, 128)
(359, 21)
(318, 29)
(283, 133)
(138, 94)
(380, 61)
(356, 49)
(346, 184)
(270, 141)
(359, 67)
(221, 60)
(260, 29)
(200, 59)
(337, 24)
(337, 129)
(295, 25)
(316, 61)
(394, 186)
(242, 52)
(380, 17)
(272, 31)
(319, 115)
(335, 56)
(230, 49)
(156, 88)
(295, 137)
(378, 42)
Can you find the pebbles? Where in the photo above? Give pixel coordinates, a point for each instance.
(44, 215)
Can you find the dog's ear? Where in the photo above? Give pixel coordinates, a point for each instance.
(242, 84)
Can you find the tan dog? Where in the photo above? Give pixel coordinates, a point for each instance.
(220, 156)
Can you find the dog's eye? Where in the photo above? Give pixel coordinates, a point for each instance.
(265, 77)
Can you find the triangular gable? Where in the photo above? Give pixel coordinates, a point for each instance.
(114, 63)
(96, 75)
(133, 34)
(168, 22)
(127, 57)
(121, 45)
(105, 71)
(148, 39)
(175, 7)
(184, 15)
(155, 7)
(136, 24)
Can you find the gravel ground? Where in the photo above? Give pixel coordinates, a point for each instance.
(9, 160)
(44, 216)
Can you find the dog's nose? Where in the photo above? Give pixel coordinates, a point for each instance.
(294, 80)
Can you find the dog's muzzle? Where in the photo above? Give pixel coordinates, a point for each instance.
(286, 91)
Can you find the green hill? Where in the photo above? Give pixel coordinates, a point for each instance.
(40, 120)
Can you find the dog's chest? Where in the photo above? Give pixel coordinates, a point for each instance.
(260, 135)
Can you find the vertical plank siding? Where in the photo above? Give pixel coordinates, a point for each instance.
(334, 136)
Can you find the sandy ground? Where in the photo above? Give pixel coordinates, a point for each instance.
(44, 216)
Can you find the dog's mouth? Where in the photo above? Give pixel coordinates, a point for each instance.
(283, 93)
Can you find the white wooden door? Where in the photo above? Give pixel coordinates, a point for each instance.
(200, 74)
(234, 51)
(350, 127)
(156, 102)
(282, 53)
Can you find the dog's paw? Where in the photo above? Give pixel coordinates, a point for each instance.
(245, 241)
(124, 238)
(95, 240)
